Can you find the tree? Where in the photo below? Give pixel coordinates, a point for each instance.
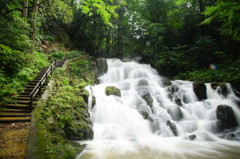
(226, 12)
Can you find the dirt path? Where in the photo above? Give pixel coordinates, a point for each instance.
(13, 140)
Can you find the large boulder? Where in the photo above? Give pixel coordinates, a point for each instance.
(102, 65)
(172, 127)
(111, 90)
(200, 90)
(226, 117)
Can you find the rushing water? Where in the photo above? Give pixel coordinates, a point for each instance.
(147, 122)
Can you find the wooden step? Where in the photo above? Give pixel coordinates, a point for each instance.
(28, 89)
(23, 101)
(30, 86)
(18, 106)
(25, 93)
(26, 98)
(14, 119)
(14, 110)
(14, 114)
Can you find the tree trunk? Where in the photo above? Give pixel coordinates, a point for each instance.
(34, 23)
(201, 5)
(25, 9)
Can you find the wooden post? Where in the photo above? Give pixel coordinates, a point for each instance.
(46, 78)
(40, 88)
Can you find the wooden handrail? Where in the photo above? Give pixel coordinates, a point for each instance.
(37, 89)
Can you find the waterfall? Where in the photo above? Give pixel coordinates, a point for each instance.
(152, 120)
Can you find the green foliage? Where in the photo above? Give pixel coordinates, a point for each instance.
(105, 9)
(224, 73)
(16, 69)
(58, 11)
(14, 31)
(226, 12)
(11, 60)
(64, 115)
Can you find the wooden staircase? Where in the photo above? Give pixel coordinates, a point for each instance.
(20, 111)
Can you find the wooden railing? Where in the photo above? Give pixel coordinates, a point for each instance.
(44, 80)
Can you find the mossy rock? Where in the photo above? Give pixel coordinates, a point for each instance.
(147, 97)
(111, 90)
(80, 131)
(85, 95)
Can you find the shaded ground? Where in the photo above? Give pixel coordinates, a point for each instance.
(13, 140)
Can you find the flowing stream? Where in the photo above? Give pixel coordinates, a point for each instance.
(152, 120)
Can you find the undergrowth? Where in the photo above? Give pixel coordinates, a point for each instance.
(64, 116)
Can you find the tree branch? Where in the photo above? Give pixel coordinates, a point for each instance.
(21, 9)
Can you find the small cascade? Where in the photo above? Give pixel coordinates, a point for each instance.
(152, 119)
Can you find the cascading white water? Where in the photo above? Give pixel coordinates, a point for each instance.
(146, 122)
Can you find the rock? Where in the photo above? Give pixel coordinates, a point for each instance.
(172, 127)
(102, 65)
(236, 88)
(178, 101)
(143, 91)
(143, 82)
(230, 136)
(222, 88)
(166, 82)
(146, 116)
(200, 90)
(93, 101)
(81, 131)
(192, 137)
(226, 117)
(175, 112)
(111, 90)
(147, 97)
(172, 89)
(85, 96)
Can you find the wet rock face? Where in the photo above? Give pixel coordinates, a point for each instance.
(146, 116)
(226, 117)
(102, 65)
(236, 89)
(143, 91)
(192, 137)
(111, 90)
(143, 82)
(172, 127)
(200, 90)
(147, 97)
(175, 112)
(221, 88)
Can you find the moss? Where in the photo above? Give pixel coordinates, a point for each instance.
(111, 90)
